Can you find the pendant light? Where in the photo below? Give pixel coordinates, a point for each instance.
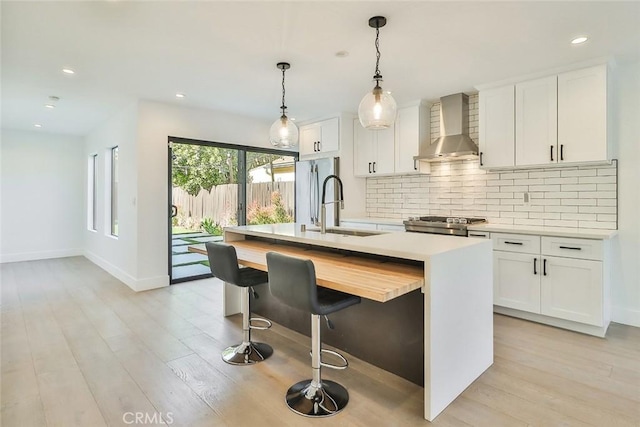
(377, 109)
(283, 132)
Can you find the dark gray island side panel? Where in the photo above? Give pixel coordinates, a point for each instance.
(389, 335)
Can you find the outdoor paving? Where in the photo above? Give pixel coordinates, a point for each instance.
(189, 270)
(180, 249)
(176, 242)
(189, 235)
(188, 258)
(208, 239)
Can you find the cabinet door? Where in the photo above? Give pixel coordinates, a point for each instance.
(384, 161)
(363, 150)
(329, 136)
(496, 126)
(582, 114)
(571, 289)
(309, 137)
(537, 122)
(407, 139)
(516, 281)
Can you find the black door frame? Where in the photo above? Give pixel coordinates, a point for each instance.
(242, 186)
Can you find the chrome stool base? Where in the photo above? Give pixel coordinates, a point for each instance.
(312, 400)
(247, 353)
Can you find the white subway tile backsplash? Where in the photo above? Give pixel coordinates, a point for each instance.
(563, 196)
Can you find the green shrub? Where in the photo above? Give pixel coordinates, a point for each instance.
(274, 214)
(210, 227)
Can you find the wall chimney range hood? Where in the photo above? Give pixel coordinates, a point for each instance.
(454, 142)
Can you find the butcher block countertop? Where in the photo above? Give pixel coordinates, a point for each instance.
(368, 278)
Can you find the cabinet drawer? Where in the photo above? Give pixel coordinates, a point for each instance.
(480, 234)
(516, 243)
(572, 248)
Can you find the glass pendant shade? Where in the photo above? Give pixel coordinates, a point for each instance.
(377, 109)
(283, 133)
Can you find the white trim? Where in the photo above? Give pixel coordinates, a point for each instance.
(626, 316)
(32, 256)
(135, 284)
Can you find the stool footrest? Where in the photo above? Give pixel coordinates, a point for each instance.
(336, 354)
(267, 323)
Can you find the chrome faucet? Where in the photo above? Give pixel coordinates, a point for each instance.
(323, 211)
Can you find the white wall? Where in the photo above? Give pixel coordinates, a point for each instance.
(626, 288)
(119, 255)
(156, 122)
(41, 196)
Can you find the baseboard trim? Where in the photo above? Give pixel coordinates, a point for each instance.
(626, 316)
(33, 256)
(137, 285)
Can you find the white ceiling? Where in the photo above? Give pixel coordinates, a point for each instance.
(223, 55)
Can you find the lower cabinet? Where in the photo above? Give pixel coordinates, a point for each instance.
(556, 288)
(515, 283)
(571, 289)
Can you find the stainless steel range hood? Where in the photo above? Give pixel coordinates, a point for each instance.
(454, 142)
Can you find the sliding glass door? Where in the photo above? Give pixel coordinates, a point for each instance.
(214, 185)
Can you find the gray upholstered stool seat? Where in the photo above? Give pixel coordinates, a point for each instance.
(223, 261)
(293, 282)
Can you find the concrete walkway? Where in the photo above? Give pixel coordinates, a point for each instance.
(186, 264)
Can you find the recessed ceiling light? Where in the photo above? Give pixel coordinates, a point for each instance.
(342, 53)
(50, 106)
(68, 71)
(579, 40)
(180, 95)
(37, 125)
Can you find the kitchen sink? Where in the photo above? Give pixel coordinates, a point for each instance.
(347, 232)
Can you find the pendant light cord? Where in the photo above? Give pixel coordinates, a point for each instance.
(377, 75)
(283, 91)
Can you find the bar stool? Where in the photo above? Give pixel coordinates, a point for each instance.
(223, 261)
(293, 282)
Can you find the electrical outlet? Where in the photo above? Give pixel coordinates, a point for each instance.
(526, 199)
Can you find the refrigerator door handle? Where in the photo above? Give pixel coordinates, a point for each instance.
(317, 195)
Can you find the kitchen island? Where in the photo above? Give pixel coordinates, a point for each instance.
(452, 276)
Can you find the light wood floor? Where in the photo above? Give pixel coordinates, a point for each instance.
(80, 348)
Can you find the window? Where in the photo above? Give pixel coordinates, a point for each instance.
(92, 179)
(114, 191)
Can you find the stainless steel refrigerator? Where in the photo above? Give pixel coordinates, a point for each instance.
(310, 175)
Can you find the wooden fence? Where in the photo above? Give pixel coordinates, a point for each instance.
(220, 204)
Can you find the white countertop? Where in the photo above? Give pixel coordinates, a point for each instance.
(415, 246)
(583, 233)
(373, 220)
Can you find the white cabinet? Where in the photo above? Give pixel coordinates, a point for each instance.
(557, 119)
(582, 115)
(320, 137)
(412, 130)
(516, 284)
(497, 127)
(374, 151)
(571, 289)
(555, 280)
(536, 122)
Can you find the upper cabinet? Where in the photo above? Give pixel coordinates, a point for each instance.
(391, 151)
(497, 127)
(412, 130)
(582, 115)
(557, 119)
(373, 151)
(320, 138)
